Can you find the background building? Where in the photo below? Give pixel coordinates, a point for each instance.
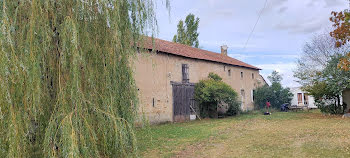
(301, 98)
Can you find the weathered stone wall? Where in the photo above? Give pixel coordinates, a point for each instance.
(154, 71)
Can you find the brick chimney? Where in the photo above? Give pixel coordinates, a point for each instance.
(224, 50)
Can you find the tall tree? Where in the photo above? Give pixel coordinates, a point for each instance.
(275, 77)
(66, 85)
(188, 33)
(341, 23)
(275, 93)
(328, 85)
(315, 56)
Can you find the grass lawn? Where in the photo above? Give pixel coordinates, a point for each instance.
(292, 134)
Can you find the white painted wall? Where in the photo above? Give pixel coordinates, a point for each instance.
(295, 92)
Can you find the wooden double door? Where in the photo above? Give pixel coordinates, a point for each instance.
(183, 99)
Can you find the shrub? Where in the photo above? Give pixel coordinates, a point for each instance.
(211, 92)
(214, 76)
(330, 108)
(276, 94)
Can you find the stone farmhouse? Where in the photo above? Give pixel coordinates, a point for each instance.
(165, 78)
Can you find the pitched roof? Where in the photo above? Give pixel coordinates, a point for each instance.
(263, 79)
(191, 52)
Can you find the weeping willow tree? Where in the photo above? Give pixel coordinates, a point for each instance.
(66, 84)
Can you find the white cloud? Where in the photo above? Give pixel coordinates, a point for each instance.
(283, 28)
(285, 69)
(241, 56)
(282, 9)
(304, 26)
(270, 56)
(279, 67)
(332, 3)
(218, 43)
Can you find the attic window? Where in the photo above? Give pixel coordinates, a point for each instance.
(185, 73)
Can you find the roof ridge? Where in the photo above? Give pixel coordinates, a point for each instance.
(214, 53)
(197, 53)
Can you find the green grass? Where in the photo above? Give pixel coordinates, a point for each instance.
(292, 134)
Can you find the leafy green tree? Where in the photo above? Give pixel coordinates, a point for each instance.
(315, 56)
(213, 91)
(275, 77)
(328, 86)
(336, 79)
(66, 85)
(188, 33)
(262, 95)
(318, 69)
(275, 94)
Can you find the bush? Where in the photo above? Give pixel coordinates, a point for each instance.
(332, 108)
(262, 95)
(211, 92)
(276, 94)
(234, 108)
(214, 76)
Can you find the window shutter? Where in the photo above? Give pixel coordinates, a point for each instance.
(185, 73)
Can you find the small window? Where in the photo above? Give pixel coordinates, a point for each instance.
(252, 75)
(253, 97)
(229, 72)
(241, 74)
(185, 74)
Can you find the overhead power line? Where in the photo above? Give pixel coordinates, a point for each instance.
(245, 45)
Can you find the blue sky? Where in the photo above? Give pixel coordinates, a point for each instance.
(276, 43)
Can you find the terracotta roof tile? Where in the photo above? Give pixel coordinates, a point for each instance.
(191, 52)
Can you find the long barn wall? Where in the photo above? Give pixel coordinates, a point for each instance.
(154, 71)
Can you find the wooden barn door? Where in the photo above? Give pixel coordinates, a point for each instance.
(183, 94)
